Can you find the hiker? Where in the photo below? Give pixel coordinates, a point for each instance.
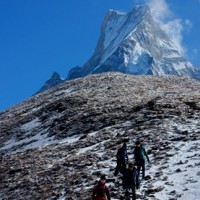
(131, 180)
(139, 155)
(122, 158)
(100, 191)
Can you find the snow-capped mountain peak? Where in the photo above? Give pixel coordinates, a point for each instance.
(134, 43)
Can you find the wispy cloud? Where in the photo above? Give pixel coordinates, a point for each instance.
(195, 54)
(195, 51)
(188, 24)
(174, 27)
(159, 9)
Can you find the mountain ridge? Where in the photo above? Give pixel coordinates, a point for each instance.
(53, 81)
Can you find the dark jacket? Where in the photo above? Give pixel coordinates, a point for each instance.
(122, 154)
(130, 178)
(140, 154)
(100, 192)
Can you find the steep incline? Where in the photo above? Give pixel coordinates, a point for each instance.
(56, 144)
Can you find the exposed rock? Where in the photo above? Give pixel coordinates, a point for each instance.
(56, 144)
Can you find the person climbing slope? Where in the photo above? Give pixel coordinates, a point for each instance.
(130, 181)
(122, 158)
(139, 155)
(100, 191)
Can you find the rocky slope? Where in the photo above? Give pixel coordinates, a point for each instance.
(57, 143)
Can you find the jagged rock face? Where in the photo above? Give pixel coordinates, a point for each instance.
(134, 43)
(55, 80)
(55, 145)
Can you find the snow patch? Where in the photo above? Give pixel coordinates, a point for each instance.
(69, 140)
(184, 182)
(30, 125)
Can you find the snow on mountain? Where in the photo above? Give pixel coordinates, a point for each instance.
(57, 143)
(55, 80)
(134, 43)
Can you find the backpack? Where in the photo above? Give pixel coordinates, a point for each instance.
(121, 154)
(100, 190)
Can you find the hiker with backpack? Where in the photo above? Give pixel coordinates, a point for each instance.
(122, 158)
(100, 191)
(130, 181)
(139, 155)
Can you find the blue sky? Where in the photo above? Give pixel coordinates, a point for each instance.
(38, 37)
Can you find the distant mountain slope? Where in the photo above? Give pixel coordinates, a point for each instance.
(55, 80)
(57, 143)
(134, 43)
